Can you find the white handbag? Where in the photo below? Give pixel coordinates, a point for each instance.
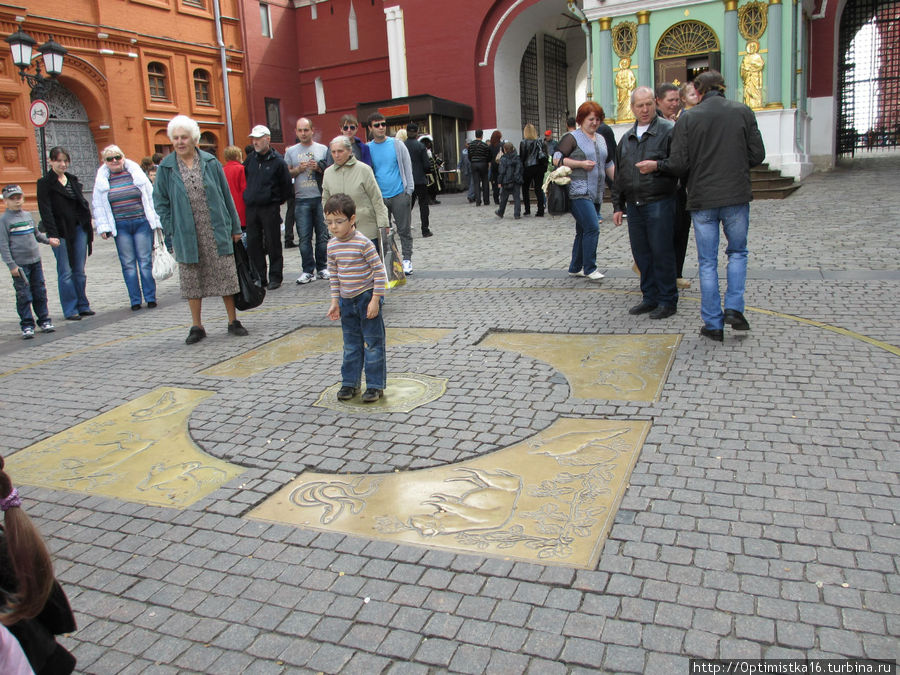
(163, 261)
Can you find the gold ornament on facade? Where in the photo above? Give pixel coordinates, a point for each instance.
(624, 39)
(687, 38)
(751, 75)
(752, 20)
(625, 84)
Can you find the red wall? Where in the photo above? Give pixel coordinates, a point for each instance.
(822, 52)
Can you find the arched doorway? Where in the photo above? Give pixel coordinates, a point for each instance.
(869, 76)
(69, 127)
(684, 51)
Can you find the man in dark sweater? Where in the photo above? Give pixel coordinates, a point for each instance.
(268, 187)
(418, 156)
(479, 158)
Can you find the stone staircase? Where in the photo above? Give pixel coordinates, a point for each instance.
(770, 184)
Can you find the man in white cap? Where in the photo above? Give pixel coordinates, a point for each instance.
(268, 187)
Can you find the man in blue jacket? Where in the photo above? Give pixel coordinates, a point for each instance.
(268, 187)
(715, 144)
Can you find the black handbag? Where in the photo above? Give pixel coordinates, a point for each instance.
(558, 202)
(252, 291)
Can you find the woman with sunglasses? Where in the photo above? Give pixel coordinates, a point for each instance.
(349, 125)
(123, 210)
(65, 215)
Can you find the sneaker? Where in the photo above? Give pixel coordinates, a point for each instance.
(305, 278)
(236, 328)
(372, 395)
(346, 393)
(407, 267)
(579, 273)
(27, 333)
(323, 274)
(47, 327)
(596, 275)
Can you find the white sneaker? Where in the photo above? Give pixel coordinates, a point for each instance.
(323, 274)
(407, 267)
(305, 278)
(27, 333)
(579, 273)
(596, 275)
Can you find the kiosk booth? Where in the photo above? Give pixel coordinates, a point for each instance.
(445, 121)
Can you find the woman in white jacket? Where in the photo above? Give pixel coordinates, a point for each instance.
(123, 209)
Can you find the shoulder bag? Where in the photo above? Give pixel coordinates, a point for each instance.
(163, 261)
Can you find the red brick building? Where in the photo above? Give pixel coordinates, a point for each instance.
(131, 66)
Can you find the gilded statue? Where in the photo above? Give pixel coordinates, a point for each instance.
(625, 84)
(751, 73)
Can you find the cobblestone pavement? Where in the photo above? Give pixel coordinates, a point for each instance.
(761, 518)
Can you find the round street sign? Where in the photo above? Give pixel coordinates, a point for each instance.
(39, 113)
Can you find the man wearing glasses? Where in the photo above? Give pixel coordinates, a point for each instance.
(349, 125)
(393, 173)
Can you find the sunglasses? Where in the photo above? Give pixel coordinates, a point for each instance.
(379, 124)
(114, 158)
(349, 127)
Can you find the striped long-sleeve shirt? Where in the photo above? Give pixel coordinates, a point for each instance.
(355, 267)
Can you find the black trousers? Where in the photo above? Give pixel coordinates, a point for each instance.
(482, 183)
(682, 230)
(533, 176)
(264, 236)
(421, 193)
(290, 224)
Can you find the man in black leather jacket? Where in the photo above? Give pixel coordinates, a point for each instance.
(649, 201)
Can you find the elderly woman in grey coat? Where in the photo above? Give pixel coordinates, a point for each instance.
(355, 178)
(195, 207)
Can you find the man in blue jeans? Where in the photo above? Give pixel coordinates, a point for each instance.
(305, 161)
(715, 144)
(650, 203)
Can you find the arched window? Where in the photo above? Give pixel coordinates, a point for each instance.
(156, 74)
(201, 87)
(687, 38)
(208, 143)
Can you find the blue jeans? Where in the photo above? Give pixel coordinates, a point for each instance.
(134, 242)
(650, 230)
(31, 293)
(309, 220)
(71, 256)
(363, 343)
(587, 234)
(735, 222)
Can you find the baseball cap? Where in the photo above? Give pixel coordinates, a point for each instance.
(548, 133)
(11, 190)
(259, 131)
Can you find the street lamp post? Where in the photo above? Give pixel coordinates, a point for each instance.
(21, 44)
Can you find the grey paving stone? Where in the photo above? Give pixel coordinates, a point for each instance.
(436, 651)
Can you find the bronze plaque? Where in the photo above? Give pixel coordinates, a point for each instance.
(549, 499)
(307, 342)
(139, 452)
(612, 367)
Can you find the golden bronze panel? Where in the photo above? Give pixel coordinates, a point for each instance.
(306, 342)
(139, 452)
(612, 367)
(404, 392)
(550, 499)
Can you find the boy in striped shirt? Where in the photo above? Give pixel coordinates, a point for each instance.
(358, 282)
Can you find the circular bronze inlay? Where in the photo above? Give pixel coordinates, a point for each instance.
(404, 392)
